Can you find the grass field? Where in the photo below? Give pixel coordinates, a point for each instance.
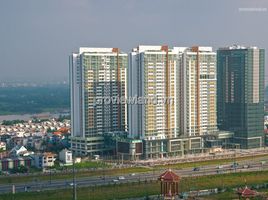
(209, 162)
(232, 195)
(87, 165)
(57, 176)
(226, 195)
(149, 188)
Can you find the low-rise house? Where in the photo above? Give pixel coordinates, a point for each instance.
(38, 145)
(43, 160)
(21, 125)
(66, 156)
(9, 129)
(20, 134)
(4, 154)
(14, 163)
(17, 150)
(3, 146)
(15, 141)
(5, 137)
(20, 151)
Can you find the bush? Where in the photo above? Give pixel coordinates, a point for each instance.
(20, 169)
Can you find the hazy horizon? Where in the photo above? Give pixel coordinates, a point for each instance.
(38, 36)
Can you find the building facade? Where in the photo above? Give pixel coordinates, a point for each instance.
(197, 86)
(14, 163)
(165, 101)
(66, 156)
(44, 160)
(97, 77)
(152, 76)
(157, 74)
(240, 91)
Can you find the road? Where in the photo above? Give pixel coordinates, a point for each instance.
(226, 154)
(248, 165)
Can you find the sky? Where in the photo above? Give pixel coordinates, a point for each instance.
(37, 36)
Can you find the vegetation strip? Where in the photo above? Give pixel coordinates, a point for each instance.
(121, 191)
(111, 172)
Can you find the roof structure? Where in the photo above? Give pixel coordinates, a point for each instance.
(57, 133)
(169, 176)
(246, 192)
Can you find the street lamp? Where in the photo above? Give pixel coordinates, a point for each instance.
(74, 182)
(50, 175)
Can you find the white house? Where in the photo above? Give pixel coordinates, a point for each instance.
(66, 156)
(3, 146)
(18, 150)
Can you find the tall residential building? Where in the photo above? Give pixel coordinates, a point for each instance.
(241, 94)
(152, 75)
(96, 76)
(187, 76)
(197, 98)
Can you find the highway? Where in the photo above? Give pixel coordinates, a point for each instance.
(226, 154)
(244, 166)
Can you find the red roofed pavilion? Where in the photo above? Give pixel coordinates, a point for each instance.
(169, 184)
(246, 193)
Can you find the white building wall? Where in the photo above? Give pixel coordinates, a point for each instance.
(206, 96)
(132, 91)
(76, 98)
(65, 156)
(138, 64)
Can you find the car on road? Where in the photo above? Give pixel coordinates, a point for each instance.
(26, 188)
(133, 174)
(234, 165)
(121, 178)
(115, 180)
(196, 169)
(263, 162)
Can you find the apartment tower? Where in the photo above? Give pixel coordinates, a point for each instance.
(97, 75)
(197, 99)
(153, 76)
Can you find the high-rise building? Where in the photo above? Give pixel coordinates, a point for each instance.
(187, 77)
(197, 98)
(153, 76)
(97, 76)
(240, 91)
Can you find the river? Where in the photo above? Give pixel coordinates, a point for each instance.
(27, 117)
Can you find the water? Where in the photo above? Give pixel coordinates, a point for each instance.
(26, 117)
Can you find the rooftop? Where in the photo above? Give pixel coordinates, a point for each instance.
(236, 47)
(169, 176)
(246, 192)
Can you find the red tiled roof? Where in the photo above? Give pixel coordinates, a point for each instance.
(246, 192)
(49, 154)
(63, 130)
(169, 176)
(57, 133)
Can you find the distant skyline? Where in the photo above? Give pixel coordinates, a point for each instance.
(38, 36)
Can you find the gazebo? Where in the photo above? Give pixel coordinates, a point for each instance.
(169, 184)
(246, 193)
